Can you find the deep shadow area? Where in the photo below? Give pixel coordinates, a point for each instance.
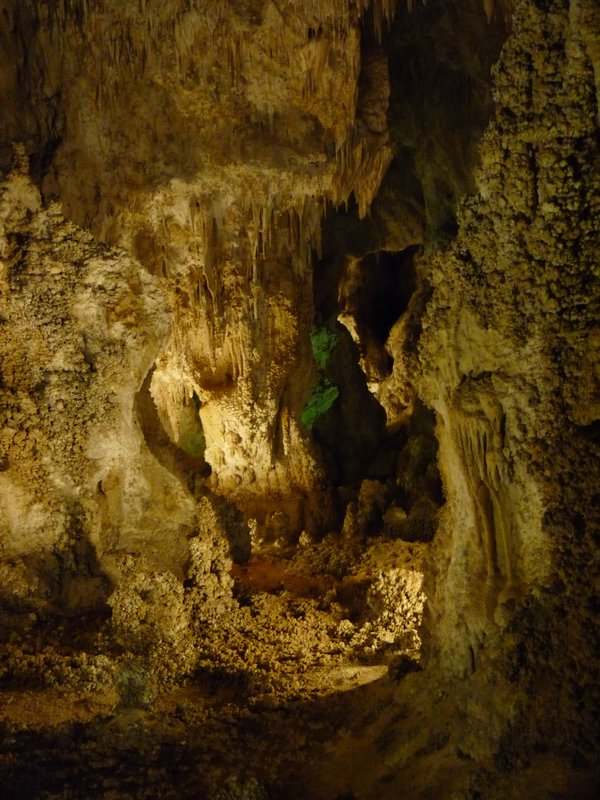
(175, 750)
(388, 284)
(362, 742)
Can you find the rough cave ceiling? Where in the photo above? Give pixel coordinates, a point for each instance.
(309, 275)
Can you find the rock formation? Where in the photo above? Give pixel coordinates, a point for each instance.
(299, 397)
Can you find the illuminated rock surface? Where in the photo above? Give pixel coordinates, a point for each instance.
(299, 399)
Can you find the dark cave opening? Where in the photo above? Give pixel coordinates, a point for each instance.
(373, 293)
(385, 468)
(437, 61)
(387, 292)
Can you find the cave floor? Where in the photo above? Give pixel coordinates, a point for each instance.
(375, 741)
(297, 697)
(206, 740)
(283, 678)
(291, 697)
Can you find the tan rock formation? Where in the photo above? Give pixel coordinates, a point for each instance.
(508, 355)
(253, 116)
(213, 217)
(81, 324)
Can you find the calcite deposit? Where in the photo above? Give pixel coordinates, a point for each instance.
(299, 399)
(516, 296)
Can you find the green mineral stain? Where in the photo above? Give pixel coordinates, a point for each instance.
(321, 399)
(324, 394)
(323, 341)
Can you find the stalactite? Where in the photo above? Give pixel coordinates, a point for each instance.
(383, 13)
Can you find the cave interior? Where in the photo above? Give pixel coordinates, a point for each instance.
(299, 399)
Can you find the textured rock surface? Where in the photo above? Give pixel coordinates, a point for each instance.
(508, 359)
(398, 598)
(81, 324)
(252, 117)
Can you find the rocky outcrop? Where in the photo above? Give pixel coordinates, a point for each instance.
(253, 116)
(251, 120)
(81, 325)
(508, 360)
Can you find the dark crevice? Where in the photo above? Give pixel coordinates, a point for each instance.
(376, 290)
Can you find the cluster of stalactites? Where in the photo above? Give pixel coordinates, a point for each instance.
(130, 31)
(361, 165)
(225, 288)
(245, 233)
(383, 12)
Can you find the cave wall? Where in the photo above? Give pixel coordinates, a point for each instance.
(80, 327)
(204, 140)
(508, 358)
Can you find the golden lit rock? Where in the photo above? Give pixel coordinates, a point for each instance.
(299, 399)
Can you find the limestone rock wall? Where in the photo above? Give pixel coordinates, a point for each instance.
(508, 359)
(80, 326)
(160, 228)
(186, 189)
